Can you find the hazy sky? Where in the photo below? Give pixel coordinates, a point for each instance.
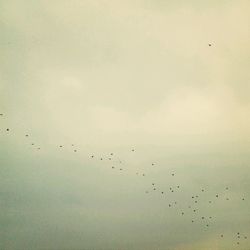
(109, 76)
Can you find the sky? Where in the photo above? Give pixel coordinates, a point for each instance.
(111, 76)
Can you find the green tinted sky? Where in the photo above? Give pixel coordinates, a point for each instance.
(109, 76)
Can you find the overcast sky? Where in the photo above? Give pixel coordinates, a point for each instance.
(110, 76)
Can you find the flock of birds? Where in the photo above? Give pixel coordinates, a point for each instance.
(191, 209)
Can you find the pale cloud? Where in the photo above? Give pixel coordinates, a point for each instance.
(110, 75)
